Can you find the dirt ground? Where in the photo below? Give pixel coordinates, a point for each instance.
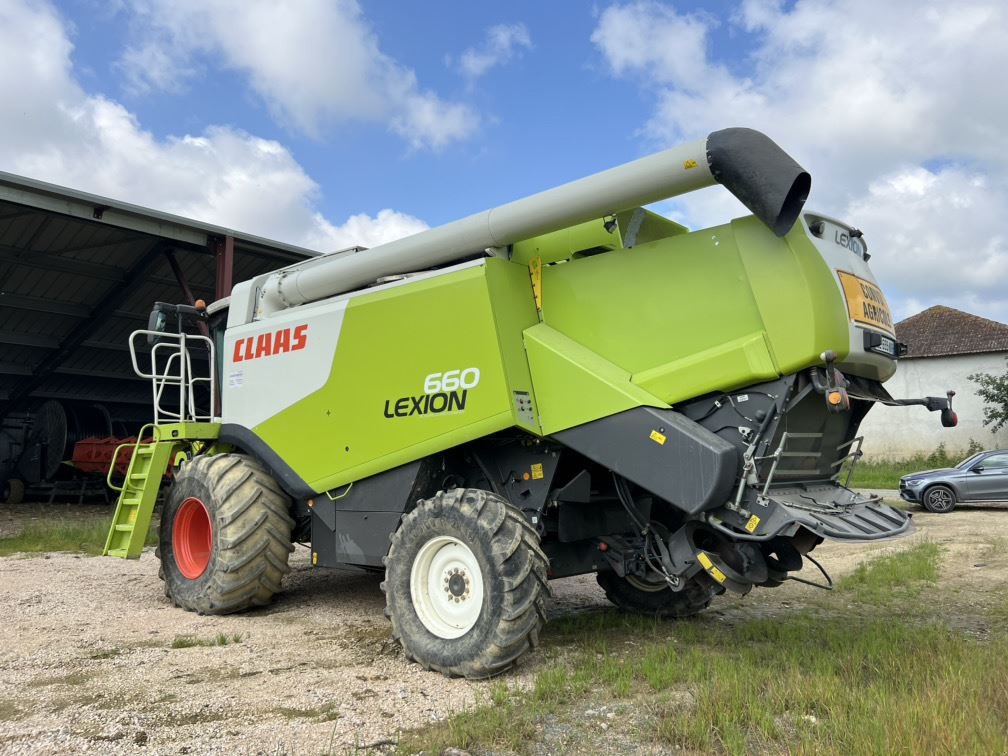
(87, 663)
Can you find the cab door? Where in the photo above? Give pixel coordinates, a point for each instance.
(987, 480)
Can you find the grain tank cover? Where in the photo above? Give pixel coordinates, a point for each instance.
(747, 163)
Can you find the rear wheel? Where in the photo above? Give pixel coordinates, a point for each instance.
(225, 535)
(465, 584)
(14, 490)
(635, 594)
(939, 499)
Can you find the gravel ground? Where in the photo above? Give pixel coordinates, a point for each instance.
(87, 664)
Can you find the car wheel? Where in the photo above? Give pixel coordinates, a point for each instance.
(939, 499)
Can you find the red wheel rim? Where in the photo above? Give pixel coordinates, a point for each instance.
(192, 538)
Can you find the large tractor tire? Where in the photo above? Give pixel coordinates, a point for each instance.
(13, 491)
(466, 584)
(225, 535)
(635, 594)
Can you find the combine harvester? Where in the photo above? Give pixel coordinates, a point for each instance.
(562, 385)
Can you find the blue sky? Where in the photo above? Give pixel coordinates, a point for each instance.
(330, 123)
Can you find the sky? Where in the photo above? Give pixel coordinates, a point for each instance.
(328, 123)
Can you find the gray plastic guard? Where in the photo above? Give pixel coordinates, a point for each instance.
(663, 452)
(830, 511)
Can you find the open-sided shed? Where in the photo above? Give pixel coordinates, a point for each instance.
(79, 273)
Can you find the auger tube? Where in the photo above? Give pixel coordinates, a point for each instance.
(746, 162)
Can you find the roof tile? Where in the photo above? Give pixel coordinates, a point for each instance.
(941, 331)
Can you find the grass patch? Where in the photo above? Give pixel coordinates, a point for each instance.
(109, 653)
(9, 711)
(889, 578)
(806, 683)
(191, 641)
(85, 536)
(887, 473)
(71, 678)
(325, 713)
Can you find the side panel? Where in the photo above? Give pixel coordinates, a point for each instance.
(663, 452)
(417, 370)
(574, 385)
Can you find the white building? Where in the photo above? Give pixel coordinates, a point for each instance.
(945, 346)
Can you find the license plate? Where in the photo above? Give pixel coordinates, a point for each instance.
(865, 302)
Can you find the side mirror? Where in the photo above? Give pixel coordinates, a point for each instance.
(949, 419)
(978, 469)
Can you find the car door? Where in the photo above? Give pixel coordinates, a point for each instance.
(988, 478)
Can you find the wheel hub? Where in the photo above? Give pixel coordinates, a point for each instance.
(192, 538)
(446, 585)
(457, 584)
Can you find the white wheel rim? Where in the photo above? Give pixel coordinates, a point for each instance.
(447, 587)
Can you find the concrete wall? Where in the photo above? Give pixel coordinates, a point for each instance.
(896, 432)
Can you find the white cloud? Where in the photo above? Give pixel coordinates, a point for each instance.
(870, 97)
(317, 66)
(55, 131)
(503, 43)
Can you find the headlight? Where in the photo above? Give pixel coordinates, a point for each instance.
(915, 483)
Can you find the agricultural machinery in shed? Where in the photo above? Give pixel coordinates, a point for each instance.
(61, 449)
(562, 385)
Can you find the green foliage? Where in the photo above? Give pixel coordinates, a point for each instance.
(993, 389)
(84, 535)
(886, 473)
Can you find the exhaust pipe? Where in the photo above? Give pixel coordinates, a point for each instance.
(747, 163)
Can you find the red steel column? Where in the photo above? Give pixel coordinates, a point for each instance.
(225, 267)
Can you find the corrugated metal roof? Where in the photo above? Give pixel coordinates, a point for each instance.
(80, 272)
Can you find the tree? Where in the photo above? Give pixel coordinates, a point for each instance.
(994, 391)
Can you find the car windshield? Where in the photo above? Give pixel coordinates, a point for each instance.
(967, 462)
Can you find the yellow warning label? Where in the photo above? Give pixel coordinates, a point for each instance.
(687, 164)
(865, 302)
(314, 557)
(658, 438)
(709, 566)
(535, 272)
(537, 472)
(753, 523)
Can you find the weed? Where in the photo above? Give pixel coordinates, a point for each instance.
(325, 713)
(886, 473)
(902, 575)
(71, 678)
(9, 711)
(109, 653)
(191, 641)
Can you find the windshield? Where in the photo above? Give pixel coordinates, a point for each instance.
(966, 462)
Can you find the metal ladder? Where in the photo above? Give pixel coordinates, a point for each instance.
(171, 366)
(138, 493)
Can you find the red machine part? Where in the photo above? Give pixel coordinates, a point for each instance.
(93, 455)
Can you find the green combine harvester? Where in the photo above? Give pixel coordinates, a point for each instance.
(562, 385)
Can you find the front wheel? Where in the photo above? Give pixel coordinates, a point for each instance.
(939, 499)
(635, 594)
(225, 535)
(465, 584)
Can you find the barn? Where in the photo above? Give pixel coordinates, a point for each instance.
(78, 274)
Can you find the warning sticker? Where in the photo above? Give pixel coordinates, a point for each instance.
(658, 438)
(537, 472)
(753, 523)
(865, 302)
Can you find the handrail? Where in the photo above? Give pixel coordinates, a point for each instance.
(173, 350)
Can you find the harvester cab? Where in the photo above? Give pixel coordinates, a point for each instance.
(565, 384)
